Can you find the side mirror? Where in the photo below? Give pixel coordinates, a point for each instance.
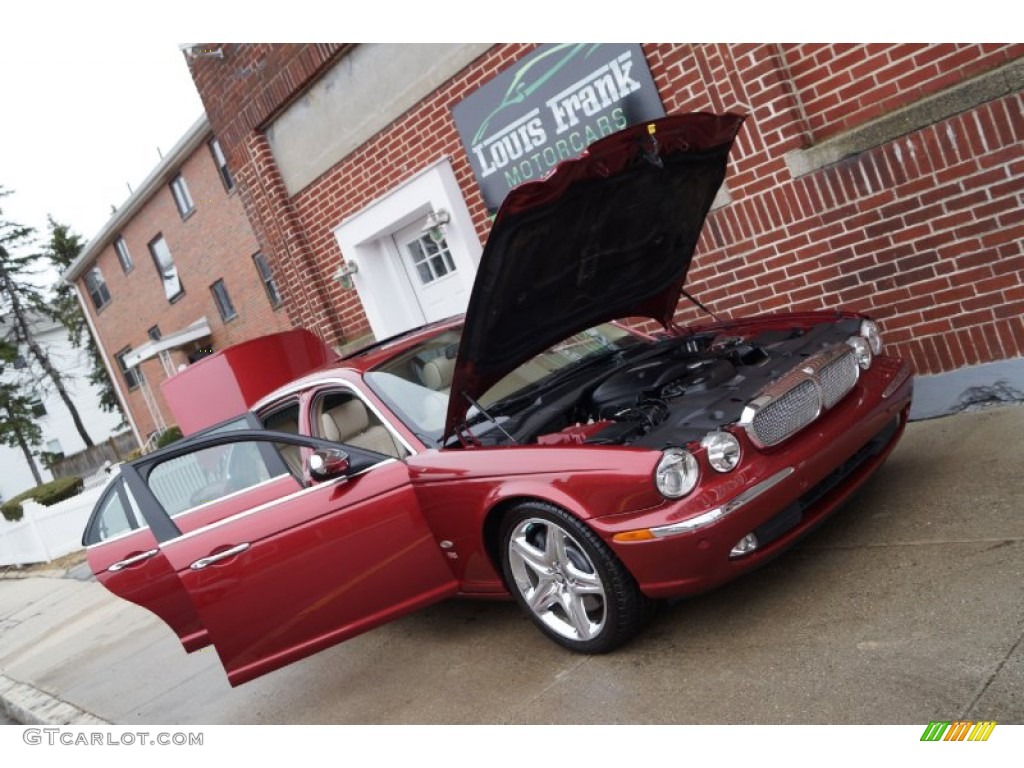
(325, 464)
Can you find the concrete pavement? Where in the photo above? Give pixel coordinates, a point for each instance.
(905, 608)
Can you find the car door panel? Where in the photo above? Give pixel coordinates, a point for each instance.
(240, 501)
(313, 569)
(132, 566)
(145, 577)
(150, 583)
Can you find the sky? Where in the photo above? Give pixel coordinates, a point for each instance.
(89, 123)
(90, 91)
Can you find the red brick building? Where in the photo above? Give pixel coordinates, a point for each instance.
(175, 272)
(884, 178)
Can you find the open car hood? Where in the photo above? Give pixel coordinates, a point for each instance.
(607, 235)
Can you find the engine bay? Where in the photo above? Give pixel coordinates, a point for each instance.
(668, 392)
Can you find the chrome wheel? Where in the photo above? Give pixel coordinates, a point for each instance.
(556, 579)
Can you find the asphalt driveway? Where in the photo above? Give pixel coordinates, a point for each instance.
(907, 607)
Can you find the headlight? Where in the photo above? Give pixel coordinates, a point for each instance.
(869, 330)
(862, 350)
(676, 474)
(723, 450)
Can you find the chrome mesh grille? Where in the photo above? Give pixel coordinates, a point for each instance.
(837, 377)
(793, 401)
(787, 414)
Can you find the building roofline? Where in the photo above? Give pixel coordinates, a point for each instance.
(186, 145)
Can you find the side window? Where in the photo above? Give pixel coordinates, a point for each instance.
(286, 419)
(342, 417)
(113, 518)
(208, 474)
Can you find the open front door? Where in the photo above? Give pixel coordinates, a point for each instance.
(285, 577)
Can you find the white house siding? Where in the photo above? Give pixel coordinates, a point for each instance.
(15, 475)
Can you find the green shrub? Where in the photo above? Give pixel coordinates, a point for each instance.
(60, 489)
(46, 494)
(170, 435)
(11, 510)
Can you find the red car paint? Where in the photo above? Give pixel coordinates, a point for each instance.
(228, 382)
(229, 539)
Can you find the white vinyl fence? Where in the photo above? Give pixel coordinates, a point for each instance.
(46, 533)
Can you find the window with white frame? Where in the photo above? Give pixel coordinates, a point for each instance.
(132, 376)
(182, 198)
(97, 288)
(164, 262)
(123, 256)
(222, 165)
(431, 258)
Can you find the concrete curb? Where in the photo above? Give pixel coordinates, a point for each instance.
(43, 574)
(31, 706)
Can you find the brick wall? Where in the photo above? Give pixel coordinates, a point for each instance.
(923, 232)
(215, 242)
(843, 85)
(240, 94)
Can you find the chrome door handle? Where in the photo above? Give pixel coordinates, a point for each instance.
(122, 564)
(202, 562)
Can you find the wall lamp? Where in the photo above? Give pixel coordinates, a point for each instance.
(436, 220)
(344, 274)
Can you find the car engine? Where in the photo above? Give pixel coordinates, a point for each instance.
(673, 391)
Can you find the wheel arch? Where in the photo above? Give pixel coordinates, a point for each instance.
(491, 529)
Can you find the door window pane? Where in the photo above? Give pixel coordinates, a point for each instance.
(430, 259)
(114, 519)
(207, 475)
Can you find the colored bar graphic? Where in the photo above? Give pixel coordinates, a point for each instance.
(934, 730)
(958, 730)
(982, 730)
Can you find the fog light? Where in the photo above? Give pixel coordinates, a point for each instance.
(744, 546)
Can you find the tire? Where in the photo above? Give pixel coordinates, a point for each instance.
(568, 581)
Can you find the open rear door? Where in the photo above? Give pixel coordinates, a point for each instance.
(125, 557)
(282, 578)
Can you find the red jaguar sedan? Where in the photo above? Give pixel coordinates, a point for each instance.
(535, 448)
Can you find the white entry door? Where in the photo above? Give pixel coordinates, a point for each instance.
(439, 288)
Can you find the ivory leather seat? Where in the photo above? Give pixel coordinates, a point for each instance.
(350, 423)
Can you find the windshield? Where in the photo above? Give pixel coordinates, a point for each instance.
(416, 383)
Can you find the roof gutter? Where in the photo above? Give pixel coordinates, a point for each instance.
(159, 176)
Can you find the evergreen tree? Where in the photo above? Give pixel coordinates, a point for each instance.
(20, 298)
(18, 427)
(62, 249)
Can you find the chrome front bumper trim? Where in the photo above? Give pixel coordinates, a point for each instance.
(713, 515)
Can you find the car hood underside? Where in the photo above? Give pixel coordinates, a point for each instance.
(608, 235)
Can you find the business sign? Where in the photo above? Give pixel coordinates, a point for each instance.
(548, 107)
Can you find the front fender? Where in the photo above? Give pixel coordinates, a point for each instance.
(460, 489)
